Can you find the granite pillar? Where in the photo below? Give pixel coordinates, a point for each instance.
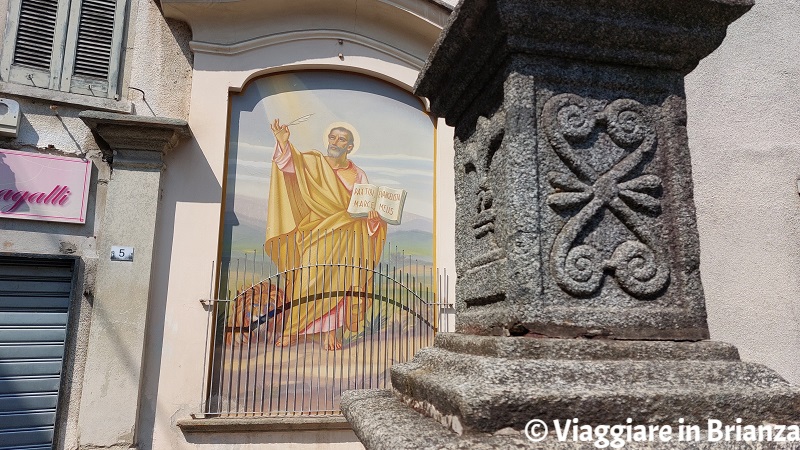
(135, 147)
(578, 292)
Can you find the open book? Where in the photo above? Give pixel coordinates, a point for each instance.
(388, 202)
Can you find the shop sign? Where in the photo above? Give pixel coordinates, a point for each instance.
(35, 186)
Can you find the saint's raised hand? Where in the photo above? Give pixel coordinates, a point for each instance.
(281, 133)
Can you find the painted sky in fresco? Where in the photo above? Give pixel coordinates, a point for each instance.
(396, 148)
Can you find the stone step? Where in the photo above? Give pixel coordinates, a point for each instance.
(384, 422)
(584, 349)
(486, 394)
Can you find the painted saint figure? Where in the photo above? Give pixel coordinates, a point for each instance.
(308, 226)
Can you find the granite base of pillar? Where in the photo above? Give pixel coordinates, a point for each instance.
(480, 392)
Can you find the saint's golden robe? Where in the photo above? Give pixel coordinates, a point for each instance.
(308, 226)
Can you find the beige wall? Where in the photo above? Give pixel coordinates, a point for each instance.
(744, 134)
(189, 227)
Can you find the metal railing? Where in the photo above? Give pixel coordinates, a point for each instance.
(289, 342)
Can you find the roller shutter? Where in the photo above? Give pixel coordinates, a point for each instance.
(34, 304)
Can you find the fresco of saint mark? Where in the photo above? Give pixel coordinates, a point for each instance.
(327, 245)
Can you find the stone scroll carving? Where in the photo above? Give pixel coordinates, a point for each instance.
(587, 191)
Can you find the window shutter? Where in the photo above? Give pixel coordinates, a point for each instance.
(35, 33)
(95, 32)
(91, 62)
(68, 45)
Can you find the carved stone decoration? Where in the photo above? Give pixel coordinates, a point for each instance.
(480, 167)
(479, 200)
(638, 265)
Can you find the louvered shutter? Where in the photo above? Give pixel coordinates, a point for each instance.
(93, 51)
(34, 304)
(35, 34)
(68, 45)
(37, 29)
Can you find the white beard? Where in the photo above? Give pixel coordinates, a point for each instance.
(335, 152)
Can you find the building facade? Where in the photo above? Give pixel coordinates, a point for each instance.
(153, 94)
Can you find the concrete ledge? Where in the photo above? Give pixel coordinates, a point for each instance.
(138, 142)
(234, 424)
(66, 98)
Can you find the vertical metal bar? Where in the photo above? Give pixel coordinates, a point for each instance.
(416, 299)
(404, 310)
(444, 297)
(249, 331)
(265, 344)
(314, 348)
(408, 315)
(384, 270)
(341, 279)
(330, 356)
(276, 369)
(417, 309)
(206, 357)
(223, 356)
(348, 287)
(449, 302)
(430, 294)
(221, 381)
(233, 338)
(258, 326)
(429, 328)
(376, 334)
(407, 307)
(363, 297)
(274, 347)
(261, 342)
(355, 296)
(240, 299)
(349, 283)
(318, 311)
(306, 262)
(252, 359)
(422, 334)
(321, 241)
(450, 305)
(441, 296)
(438, 296)
(428, 308)
(297, 341)
(413, 310)
(371, 293)
(416, 288)
(424, 319)
(355, 288)
(214, 389)
(368, 301)
(330, 367)
(288, 285)
(398, 311)
(296, 275)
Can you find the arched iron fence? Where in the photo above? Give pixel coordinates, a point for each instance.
(279, 346)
